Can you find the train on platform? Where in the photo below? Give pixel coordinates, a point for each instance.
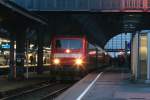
(76, 55)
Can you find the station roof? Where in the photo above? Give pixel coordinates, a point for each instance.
(104, 26)
(13, 17)
(99, 27)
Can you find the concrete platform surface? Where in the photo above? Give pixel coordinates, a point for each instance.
(108, 86)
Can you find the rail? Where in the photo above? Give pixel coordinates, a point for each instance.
(28, 91)
(45, 91)
(54, 94)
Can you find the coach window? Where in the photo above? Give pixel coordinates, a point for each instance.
(90, 46)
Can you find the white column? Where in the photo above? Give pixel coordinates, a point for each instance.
(148, 57)
(135, 56)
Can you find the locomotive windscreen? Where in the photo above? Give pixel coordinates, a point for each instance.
(68, 43)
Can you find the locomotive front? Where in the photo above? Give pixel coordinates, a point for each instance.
(68, 51)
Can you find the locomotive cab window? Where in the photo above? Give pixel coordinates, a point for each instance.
(68, 43)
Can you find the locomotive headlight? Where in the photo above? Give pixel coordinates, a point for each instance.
(79, 61)
(56, 61)
(67, 51)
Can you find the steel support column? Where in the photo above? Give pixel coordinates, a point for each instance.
(12, 73)
(20, 48)
(40, 51)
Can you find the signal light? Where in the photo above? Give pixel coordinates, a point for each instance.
(56, 61)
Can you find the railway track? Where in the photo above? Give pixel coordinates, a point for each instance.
(54, 94)
(47, 91)
(6, 70)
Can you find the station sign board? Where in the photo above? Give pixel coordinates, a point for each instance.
(5, 46)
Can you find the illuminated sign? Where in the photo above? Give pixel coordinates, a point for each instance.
(5, 46)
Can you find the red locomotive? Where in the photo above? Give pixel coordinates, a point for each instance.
(75, 53)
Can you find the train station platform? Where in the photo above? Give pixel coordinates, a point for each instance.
(9, 86)
(107, 85)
